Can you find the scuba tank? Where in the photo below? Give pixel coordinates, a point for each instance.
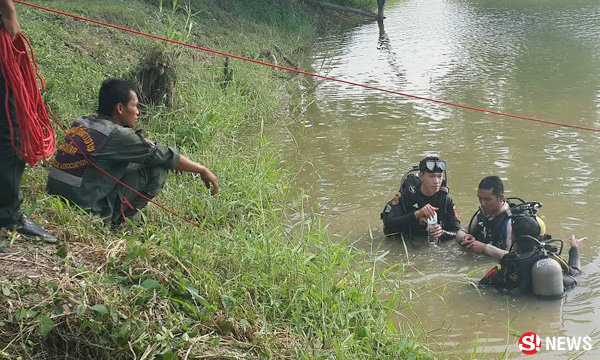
(547, 278)
(547, 271)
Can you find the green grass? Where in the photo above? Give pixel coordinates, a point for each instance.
(252, 282)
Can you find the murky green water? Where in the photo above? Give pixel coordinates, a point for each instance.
(535, 58)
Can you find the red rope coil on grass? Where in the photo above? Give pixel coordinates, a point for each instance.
(38, 141)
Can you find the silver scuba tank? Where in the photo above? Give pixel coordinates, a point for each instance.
(547, 278)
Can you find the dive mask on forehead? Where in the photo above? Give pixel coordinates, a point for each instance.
(433, 166)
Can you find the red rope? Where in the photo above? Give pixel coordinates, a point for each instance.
(35, 130)
(528, 118)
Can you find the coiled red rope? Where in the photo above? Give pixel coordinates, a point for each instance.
(34, 128)
(201, 48)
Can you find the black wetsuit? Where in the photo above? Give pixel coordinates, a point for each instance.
(400, 217)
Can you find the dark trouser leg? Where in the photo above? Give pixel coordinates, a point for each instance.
(147, 180)
(11, 164)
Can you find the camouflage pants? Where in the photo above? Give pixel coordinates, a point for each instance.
(146, 180)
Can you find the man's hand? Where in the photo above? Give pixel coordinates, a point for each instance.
(467, 239)
(425, 212)
(187, 165)
(209, 178)
(461, 236)
(435, 231)
(576, 242)
(472, 245)
(9, 18)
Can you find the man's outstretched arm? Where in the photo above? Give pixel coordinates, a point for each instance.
(187, 165)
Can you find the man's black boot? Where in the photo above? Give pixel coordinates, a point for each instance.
(29, 228)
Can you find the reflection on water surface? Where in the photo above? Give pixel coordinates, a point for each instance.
(534, 58)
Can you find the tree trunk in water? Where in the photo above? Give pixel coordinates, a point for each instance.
(349, 9)
(380, 5)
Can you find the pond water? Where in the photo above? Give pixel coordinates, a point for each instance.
(538, 58)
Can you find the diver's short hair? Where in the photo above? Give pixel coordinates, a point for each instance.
(523, 228)
(493, 183)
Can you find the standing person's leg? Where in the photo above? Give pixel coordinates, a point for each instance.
(11, 172)
(11, 164)
(147, 180)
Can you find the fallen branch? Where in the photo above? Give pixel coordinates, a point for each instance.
(293, 63)
(349, 9)
(22, 260)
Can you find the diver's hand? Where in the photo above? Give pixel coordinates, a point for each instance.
(576, 242)
(468, 238)
(425, 212)
(435, 231)
(475, 246)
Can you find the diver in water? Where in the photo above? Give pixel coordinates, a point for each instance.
(421, 198)
(490, 228)
(532, 266)
(489, 231)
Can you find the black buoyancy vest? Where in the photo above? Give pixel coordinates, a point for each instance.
(513, 271)
(415, 201)
(517, 269)
(492, 231)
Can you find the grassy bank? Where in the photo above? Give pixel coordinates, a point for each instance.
(252, 282)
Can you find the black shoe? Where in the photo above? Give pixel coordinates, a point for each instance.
(27, 227)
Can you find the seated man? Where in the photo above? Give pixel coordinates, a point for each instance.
(515, 268)
(490, 228)
(409, 210)
(109, 141)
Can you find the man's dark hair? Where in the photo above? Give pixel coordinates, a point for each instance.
(113, 92)
(492, 183)
(523, 226)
